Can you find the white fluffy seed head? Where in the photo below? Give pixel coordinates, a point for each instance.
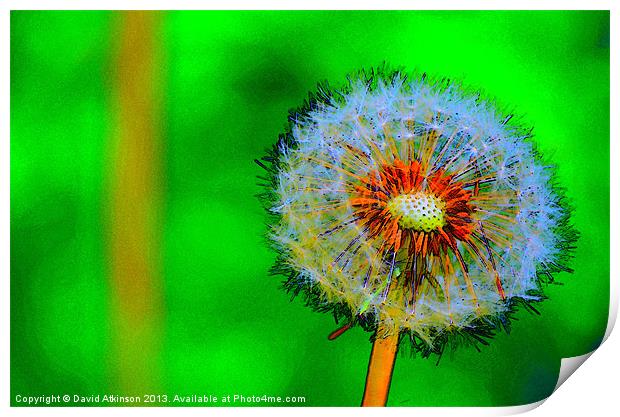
(335, 254)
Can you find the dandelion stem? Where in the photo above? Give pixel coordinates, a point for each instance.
(380, 368)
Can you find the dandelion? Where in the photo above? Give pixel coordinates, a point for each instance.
(415, 210)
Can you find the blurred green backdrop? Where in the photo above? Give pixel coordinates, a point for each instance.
(227, 80)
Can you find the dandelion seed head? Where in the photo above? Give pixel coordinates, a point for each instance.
(413, 202)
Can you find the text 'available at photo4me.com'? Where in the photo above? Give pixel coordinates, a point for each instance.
(157, 399)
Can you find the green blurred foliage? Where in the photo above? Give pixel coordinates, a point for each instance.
(229, 80)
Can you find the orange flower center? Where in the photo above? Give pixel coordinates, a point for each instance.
(408, 207)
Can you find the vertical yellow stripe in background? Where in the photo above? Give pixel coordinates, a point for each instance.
(134, 195)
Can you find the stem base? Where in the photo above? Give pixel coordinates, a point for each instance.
(380, 368)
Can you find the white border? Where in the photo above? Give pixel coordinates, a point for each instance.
(594, 391)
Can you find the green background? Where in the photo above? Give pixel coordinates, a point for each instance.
(228, 80)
